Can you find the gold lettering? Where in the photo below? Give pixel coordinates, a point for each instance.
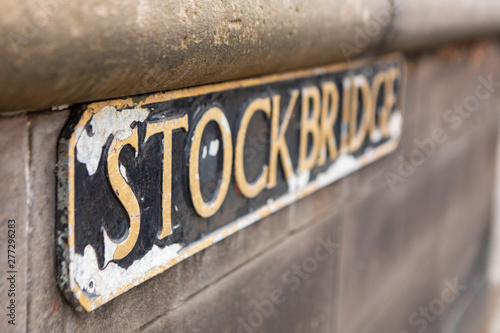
(309, 125)
(378, 80)
(389, 102)
(328, 117)
(166, 128)
(344, 127)
(357, 135)
(278, 141)
(203, 208)
(124, 193)
(247, 189)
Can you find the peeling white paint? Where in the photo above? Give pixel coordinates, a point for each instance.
(375, 136)
(359, 80)
(123, 171)
(396, 124)
(109, 247)
(297, 182)
(343, 165)
(214, 147)
(60, 107)
(270, 203)
(106, 281)
(104, 123)
(70, 230)
(346, 83)
(225, 125)
(369, 154)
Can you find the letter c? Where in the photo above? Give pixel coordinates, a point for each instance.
(250, 190)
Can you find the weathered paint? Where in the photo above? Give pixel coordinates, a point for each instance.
(92, 272)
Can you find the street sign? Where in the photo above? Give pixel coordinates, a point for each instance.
(146, 182)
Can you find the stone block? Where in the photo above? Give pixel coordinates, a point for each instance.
(290, 288)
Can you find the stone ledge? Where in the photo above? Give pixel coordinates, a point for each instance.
(58, 53)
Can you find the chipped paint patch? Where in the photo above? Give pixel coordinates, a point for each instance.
(214, 147)
(396, 124)
(91, 138)
(104, 281)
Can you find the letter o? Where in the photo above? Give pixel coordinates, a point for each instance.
(207, 209)
(249, 190)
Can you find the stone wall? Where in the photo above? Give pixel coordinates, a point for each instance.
(365, 254)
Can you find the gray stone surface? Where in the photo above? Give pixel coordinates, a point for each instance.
(14, 161)
(290, 288)
(400, 246)
(45, 301)
(54, 51)
(397, 246)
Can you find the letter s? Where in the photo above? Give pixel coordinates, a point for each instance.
(124, 193)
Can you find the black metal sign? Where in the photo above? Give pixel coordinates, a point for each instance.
(146, 182)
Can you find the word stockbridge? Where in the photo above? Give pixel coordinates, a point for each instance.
(147, 182)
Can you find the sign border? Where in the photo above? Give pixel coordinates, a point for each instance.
(65, 235)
